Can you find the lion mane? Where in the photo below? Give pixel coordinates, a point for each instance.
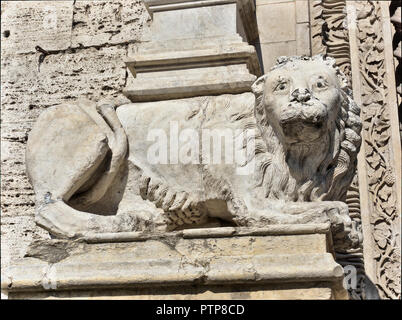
(334, 173)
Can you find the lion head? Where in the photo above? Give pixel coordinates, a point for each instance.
(310, 127)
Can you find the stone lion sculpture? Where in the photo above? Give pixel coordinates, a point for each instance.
(94, 168)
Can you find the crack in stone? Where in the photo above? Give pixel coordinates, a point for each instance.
(48, 280)
(72, 50)
(172, 242)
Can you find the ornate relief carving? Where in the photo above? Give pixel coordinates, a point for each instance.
(395, 12)
(329, 35)
(354, 257)
(329, 32)
(316, 24)
(384, 216)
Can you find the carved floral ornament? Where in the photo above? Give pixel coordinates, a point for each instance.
(379, 172)
(376, 134)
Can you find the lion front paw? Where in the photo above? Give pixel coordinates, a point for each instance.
(344, 231)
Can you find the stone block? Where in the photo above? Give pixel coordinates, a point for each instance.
(302, 11)
(27, 88)
(270, 51)
(209, 70)
(276, 22)
(169, 14)
(17, 232)
(27, 24)
(192, 23)
(303, 39)
(98, 23)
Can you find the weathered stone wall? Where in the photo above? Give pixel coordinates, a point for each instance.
(54, 52)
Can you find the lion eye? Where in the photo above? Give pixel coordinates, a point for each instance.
(321, 83)
(282, 86)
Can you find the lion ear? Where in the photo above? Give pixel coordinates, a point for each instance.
(258, 86)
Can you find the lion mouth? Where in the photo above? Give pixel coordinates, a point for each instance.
(302, 123)
(302, 132)
(316, 122)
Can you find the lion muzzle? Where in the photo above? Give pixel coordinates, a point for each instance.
(301, 95)
(303, 122)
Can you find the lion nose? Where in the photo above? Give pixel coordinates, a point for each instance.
(301, 95)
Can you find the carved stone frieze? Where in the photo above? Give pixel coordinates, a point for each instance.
(377, 162)
(357, 34)
(395, 12)
(329, 34)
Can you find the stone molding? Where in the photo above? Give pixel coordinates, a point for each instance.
(204, 62)
(319, 228)
(293, 254)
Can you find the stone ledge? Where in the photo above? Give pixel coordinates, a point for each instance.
(199, 233)
(303, 291)
(167, 272)
(228, 69)
(203, 258)
(166, 5)
(180, 59)
(187, 89)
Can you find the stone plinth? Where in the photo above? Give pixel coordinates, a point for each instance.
(277, 262)
(196, 48)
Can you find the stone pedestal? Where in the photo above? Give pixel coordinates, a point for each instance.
(196, 48)
(277, 262)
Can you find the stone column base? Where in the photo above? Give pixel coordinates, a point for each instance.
(196, 48)
(279, 262)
